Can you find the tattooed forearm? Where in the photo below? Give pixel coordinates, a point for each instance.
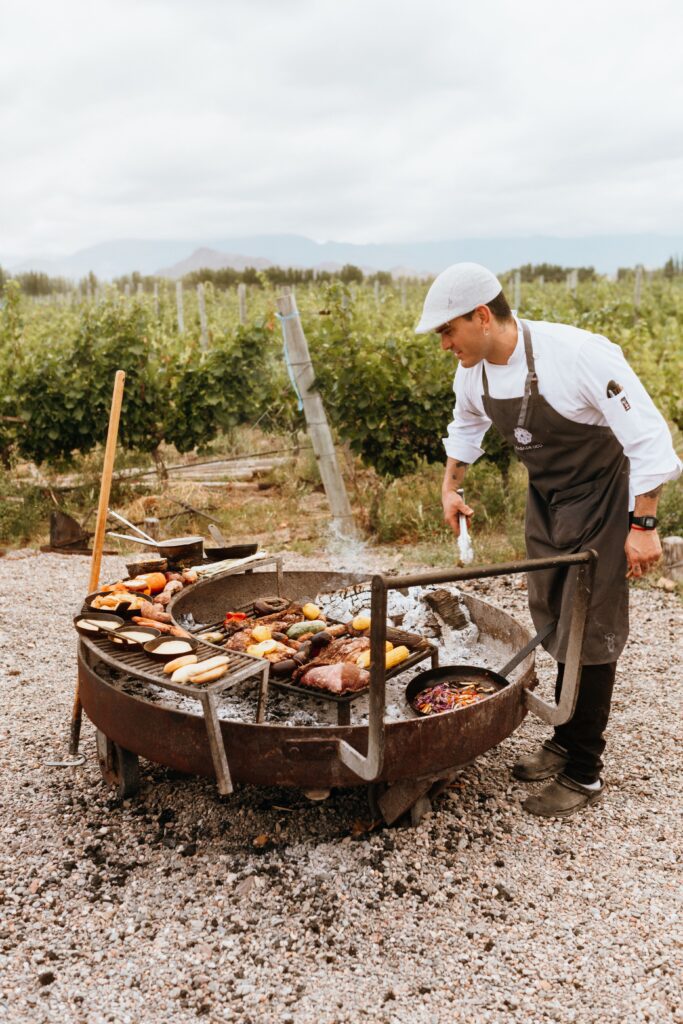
(454, 475)
(646, 504)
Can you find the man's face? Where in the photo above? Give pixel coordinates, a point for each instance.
(466, 339)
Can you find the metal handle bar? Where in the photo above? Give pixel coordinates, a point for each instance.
(134, 540)
(370, 766)
(131, 526)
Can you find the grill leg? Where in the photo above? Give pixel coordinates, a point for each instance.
(119, 767)
(262, 695)
(218, 755)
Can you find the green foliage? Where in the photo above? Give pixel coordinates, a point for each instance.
(552, 272)
(220, 388)
(33, 283)
(22, 510)
(65, 386)
(388, 392)
(409, 507)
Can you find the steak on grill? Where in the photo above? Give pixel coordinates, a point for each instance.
(344, 649)
(339, 678)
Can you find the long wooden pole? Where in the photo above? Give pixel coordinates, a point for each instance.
(100, 528)
(301, 369)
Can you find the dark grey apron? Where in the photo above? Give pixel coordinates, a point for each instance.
(578, 498)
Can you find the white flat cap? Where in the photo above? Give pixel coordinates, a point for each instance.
(458, 289)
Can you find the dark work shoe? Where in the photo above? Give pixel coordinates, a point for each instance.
(545, 762)
(562, 798)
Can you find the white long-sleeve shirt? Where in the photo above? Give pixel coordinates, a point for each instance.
(573, 368)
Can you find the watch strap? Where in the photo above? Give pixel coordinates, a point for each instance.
(643, 522)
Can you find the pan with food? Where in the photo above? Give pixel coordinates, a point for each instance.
(451, 687)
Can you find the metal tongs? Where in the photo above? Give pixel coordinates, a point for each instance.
(172, 547)
(151, 542)
(464, 543)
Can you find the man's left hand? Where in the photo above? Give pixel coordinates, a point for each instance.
(643, 551)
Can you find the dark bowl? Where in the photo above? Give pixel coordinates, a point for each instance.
(450, 673)
(122, 608)
(151, 646)
(97, 617)
(233, 551)
(117, 637)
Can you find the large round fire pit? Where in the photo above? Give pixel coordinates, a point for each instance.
(318, 756)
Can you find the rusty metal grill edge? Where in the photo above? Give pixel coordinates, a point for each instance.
(369, 767)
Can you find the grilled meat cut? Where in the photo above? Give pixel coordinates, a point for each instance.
(339, 678)
(344, 649)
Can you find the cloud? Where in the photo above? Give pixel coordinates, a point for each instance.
(357, 121)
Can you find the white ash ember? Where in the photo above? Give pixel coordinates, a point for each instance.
(413, 610)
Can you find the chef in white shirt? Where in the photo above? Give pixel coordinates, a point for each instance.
(598, 453)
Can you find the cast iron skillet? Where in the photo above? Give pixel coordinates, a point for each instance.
(232, 551)
(452, 674)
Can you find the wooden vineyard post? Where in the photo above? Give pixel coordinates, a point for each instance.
(203, 323)
(573, 281)
(638, 288)
(100, 527)
(242, 300)
(155, 293)
(303, 378)
(377, 291)
(179, 306)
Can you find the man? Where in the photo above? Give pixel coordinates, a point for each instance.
(597, 452)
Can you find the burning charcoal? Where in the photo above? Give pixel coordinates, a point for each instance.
(301, 717)
(447, 606)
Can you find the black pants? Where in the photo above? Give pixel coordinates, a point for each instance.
(583, 735)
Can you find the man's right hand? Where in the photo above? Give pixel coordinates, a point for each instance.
(453, 508)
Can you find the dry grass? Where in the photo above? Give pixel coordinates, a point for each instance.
(285, 506)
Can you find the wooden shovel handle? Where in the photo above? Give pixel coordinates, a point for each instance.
(100, 528)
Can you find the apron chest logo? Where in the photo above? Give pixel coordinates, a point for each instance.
(524, 439)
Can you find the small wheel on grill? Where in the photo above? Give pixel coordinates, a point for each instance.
(119, 767)
(270, 605)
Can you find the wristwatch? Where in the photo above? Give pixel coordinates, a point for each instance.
(644, 522)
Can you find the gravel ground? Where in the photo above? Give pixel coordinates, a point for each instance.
(160, 907)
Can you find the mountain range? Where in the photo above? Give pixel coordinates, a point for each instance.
(173, 257)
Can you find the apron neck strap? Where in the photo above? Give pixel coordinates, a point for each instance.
(531, 382)
(484, 379)
(532, 379)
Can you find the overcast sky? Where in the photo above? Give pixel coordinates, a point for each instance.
(352, 120)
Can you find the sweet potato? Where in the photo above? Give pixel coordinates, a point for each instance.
(151, 612)
(163, 627)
